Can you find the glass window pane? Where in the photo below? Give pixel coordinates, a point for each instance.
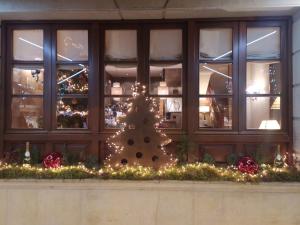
(263, 42)
(215, 44)
(27, 80)
(263, 78)
(215, 112)
(263, 113)
(27, 112)
(72, 113)
(121, 44)
(119, 79)
(215, 79)
(14, 152)
(166, 44)
(28, 45)
(170, 109)
(166, 79)
(72, 45)
(72, 79)
(115, 111)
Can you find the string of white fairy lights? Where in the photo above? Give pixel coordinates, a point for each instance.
(139, 89)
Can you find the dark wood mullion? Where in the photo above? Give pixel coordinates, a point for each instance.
(27, 96)
(289, 86)
(216, 96)
(93, 90)
(202, 61)
(242, 75)
(264, 60)
(72, 63)
(235, 77)
(121, 62)
(72, 96)
(159, 62)
(263, 95)
(143, 56)
(284, 77)
(166, 96)
(31, 63)
(117, 96)
(47, 78)
(8, 76)
(184, 79)
(101, 81)
(53, 77)
(192, 78)
(4, 39)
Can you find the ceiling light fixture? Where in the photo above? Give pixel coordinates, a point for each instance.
(59, 55)
(215, 71)
(250, 43)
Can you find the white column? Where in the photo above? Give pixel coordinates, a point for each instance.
(296, 84)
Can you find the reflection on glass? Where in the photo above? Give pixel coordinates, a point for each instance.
(72, 45)
(166, 79)
(119, 79)
(72, 113)
(115, 111)
(263, 113)
(166, 44)
(13, 155)
(121, 44)
(27, 112)
(170, 109)
(27, 80)
(263, 42)
(215, 44)
(263, 78)
(72, 79)
(76, 151)
(215, 79)
(215, 112)
(28, 45)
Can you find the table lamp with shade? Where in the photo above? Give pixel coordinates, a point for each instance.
(269, 125)
(276, 103)
(116, 89)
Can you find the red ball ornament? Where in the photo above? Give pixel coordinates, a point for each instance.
(52, 160)
(247, 165)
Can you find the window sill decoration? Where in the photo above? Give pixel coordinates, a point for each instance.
(194, 172)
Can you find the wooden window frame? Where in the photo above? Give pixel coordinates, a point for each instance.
(284, 109)
(235, 63)
(96, 134)
(148, 62)
(103, 62)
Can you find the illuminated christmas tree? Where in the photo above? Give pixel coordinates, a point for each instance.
(140, 142)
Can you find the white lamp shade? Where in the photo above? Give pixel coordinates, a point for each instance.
(204, 108)
(276, 103)
(269, 125)
(162, 89)
(116, 89)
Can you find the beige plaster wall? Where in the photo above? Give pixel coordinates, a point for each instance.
(90, 202)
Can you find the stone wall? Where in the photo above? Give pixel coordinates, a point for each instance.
(90, 202)
(296, 82)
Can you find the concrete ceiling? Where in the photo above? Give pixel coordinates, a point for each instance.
(142, 9)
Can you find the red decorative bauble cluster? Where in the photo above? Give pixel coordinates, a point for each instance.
(52, 160)
(247, 165)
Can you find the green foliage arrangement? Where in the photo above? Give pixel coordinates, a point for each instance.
(208, 158)
(182, 149)
(195, 172)
(232, 159)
